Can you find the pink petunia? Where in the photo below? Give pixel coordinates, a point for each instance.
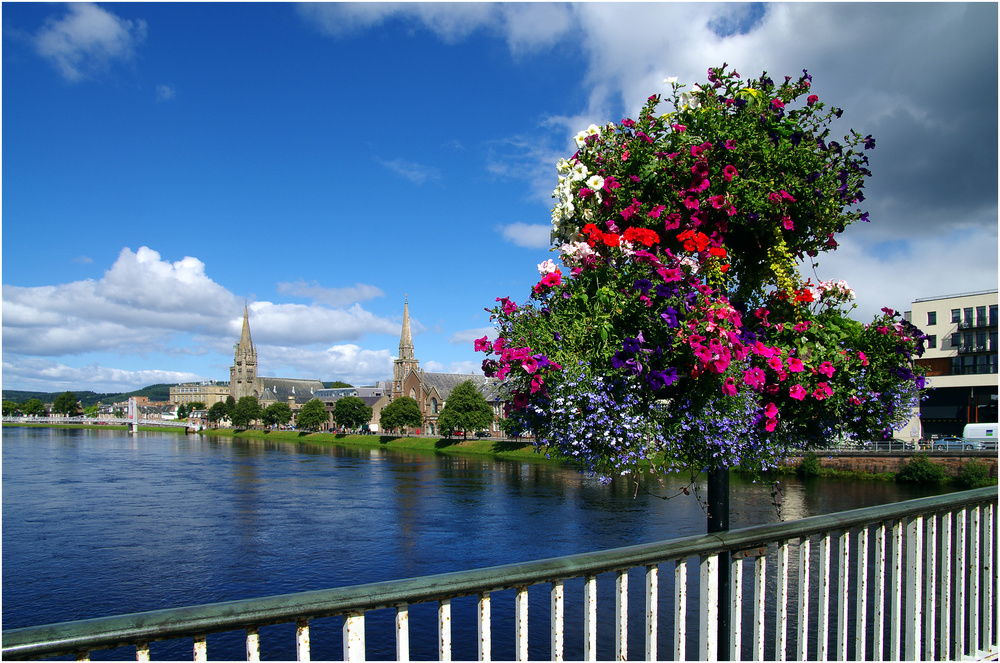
(530, 364)
(774, 363)
(729, 387)
(822, 391)
(797, 392)
(483, 344)
(729, 172)
(812, 99)
(826, 368)
(795, 365)
(771, 411)
(770, 424)
(754, 378)
(863, 358)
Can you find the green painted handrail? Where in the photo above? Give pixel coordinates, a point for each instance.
(144, 627)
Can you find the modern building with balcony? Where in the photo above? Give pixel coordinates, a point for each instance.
(961, 360)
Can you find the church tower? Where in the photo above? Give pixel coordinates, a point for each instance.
(243, 372)
(406, 361)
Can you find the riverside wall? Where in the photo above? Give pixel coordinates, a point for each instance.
(876, 463)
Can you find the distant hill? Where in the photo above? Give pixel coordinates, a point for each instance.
(156, 392)
(337, 385)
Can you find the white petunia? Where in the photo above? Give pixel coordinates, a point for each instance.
(670, 80)
(595, 183)
(579, 172)
(547, 267)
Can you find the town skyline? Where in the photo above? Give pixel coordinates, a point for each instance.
(161, 172)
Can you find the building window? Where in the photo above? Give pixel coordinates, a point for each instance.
(993, 315)
(956, 365)
(983, 364)
(956, 315)
(981, 339)
(993, 341)
(956, 340)
(967, 340)
(931, 318)
(968, 316)
(932, 341)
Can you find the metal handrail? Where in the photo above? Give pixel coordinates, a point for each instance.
(145, 627)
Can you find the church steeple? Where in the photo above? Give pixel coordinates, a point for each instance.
(406, 361)
(406, 338)
(243, 372)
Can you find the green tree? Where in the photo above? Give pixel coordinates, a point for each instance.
(351, 412)
(401, 413)
(65, 403)
(182, 412)
(91, 410)
(337, 385)
(197, 405)
(217, 412)
(312, 415)
(247, 410)
(11, 409)
(33, 407)
(277, 414)
(466, 409)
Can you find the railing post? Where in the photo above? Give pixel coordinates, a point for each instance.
(444, 630)
(621, 615)
(803, 630)
(302, 640)
(930, 576)
(253, 644)
(861, 622)
(354, 636)
(914, 569)
(680, 610)
(558, 620)
(652, 592)
(521, 599)
(402, 632)
(946, 584)
(708, 636)
(484, 628)
(781, 616)
(590, 618)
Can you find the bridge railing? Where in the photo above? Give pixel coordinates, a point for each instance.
(906, 581)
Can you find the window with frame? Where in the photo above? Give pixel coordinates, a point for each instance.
(980, 316)
(993, 315)
(931, 318)
(983, 364)
(993, 340)
(932, 341)
(968, 316)
(956, 340)
(956, 315)
(981, 339)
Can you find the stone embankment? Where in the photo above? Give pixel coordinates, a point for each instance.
(878, 463)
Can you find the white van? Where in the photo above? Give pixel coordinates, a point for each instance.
(984, 433)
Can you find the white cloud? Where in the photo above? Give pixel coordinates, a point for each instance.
(87, 39)
(415, 172)
(165, 92)
(142, 303)
(35, 374)
(359, 292)
(468, 336)
(346, 362)
(461, 367)
(528, 235)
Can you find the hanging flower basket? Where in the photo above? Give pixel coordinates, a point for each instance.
(676, 323)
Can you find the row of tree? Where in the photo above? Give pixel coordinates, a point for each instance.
(465, 410)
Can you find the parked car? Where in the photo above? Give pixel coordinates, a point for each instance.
(956, 444)
(482, 433)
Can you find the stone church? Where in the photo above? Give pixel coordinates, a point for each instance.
(431, 390)
(244, 381)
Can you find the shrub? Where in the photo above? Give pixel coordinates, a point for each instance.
(809, 467)
(974, 474)
(921, 470)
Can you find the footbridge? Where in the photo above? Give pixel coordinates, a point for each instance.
(133, 419)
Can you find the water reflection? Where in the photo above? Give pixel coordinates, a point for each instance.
(99, 522)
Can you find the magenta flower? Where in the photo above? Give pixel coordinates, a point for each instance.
(729, 387)
(729, 172)
(775, 363)
(863, 358)
(822, 391)
(795, 365)
(656, 212)
(797, 392)
(771, 411)
(802, 326)
(812, 99)
(786, 221)
(483, 344)
(826, 368)
(754, 378)
(498, 345)
(777, 103)
(530, 364)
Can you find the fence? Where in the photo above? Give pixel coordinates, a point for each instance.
(906, 581)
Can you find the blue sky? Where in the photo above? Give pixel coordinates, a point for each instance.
(163, 164)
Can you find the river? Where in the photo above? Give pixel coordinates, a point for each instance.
(99, 522)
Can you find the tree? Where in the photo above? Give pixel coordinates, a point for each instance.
(197, 405)
(217, 412)
(351, 412)
(182, 412)
(247, 410)
(401, 413)
(466, 409)
(312, 415)
(91, 410)
(65, 403)
(338, 384)
(33, 408)
(277, 414)
(11, 409)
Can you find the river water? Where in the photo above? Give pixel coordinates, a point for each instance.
(99, 523)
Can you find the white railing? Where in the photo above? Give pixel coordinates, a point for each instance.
(912, 580)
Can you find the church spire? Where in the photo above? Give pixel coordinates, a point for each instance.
(406, 338)
(245, 342)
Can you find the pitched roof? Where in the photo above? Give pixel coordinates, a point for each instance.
(280, 389)
(446, 382)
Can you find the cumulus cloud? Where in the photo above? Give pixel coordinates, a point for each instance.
(36, 374)
(87, 39)
(528, 235)
(164, 92)
(346, 362)
(359, 292)
(461, 367)
(468, 336)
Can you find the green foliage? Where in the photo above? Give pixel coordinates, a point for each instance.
(218, 412)
(277, 414)
(312, 415)
(974, 474)
(466, 409)
(182, 412)
(921, 470)
(197, 405)
(809, 467)
(401, 413)
(246, 411)
(337, 384)
(33, 407)
(65, 403)
(91, 410)
(11, 409)
(351, 412)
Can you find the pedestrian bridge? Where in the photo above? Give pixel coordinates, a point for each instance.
(905, 581)
(103, 421)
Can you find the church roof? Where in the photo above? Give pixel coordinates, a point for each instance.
(280, 389)
(446, 382)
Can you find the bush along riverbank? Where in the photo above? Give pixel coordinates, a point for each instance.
(918, 469)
